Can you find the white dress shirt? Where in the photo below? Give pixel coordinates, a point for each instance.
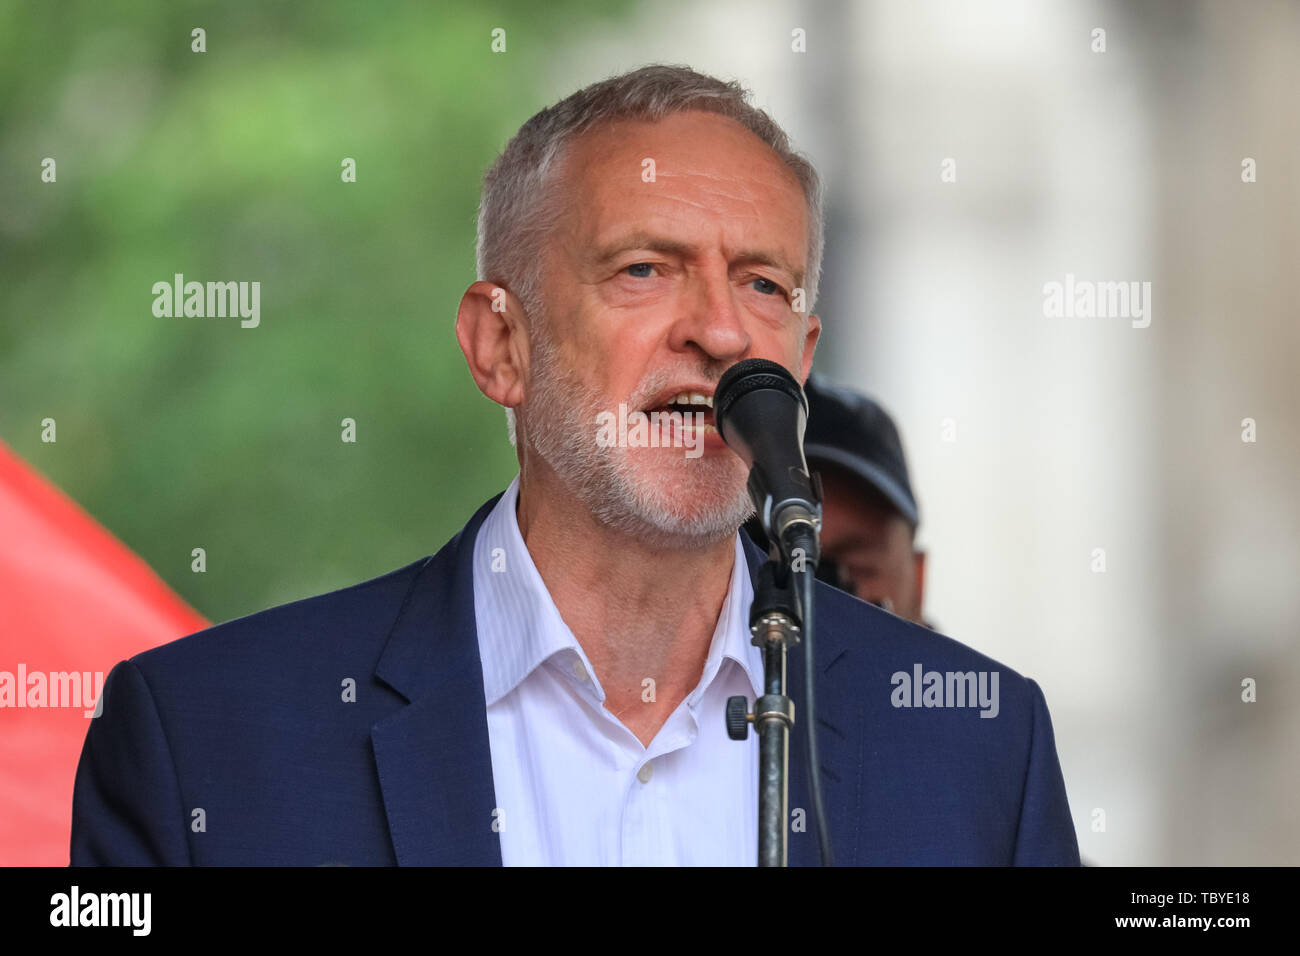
(574, 786)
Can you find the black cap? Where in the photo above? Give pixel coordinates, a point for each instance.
(848, 429)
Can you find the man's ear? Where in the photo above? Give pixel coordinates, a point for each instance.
(810, 345)
(492, 335)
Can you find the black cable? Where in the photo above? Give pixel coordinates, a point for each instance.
(806, 586)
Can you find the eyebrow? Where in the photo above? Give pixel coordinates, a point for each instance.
(653, 243)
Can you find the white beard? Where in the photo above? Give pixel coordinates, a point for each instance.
(657, 494)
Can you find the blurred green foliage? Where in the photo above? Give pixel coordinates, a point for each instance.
(179, 433)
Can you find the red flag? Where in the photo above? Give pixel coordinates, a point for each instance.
(73, 602)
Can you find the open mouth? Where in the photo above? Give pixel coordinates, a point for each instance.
(688, 405)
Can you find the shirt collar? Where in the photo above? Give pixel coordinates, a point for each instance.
(519, 626)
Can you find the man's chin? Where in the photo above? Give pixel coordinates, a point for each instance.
(691, 500)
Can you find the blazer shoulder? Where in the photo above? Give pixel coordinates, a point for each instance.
(883, 644)
(359, 615)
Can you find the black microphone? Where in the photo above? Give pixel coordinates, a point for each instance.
(760, 412)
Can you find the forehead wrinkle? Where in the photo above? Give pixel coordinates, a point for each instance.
(756, 187)
(621, 238)
(724, 187)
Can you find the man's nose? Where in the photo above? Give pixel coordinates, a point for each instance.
(711, 319)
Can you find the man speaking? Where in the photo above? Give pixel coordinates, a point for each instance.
(549, 688)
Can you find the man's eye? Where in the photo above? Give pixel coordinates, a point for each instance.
(636, 267)
(766, 286)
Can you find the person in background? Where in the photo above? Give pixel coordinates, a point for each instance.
(869, 514)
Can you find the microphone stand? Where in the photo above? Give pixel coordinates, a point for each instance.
(774, 621)
(760, 412)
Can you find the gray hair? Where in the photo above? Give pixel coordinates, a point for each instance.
(518, 209)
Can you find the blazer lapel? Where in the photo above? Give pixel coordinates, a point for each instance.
(433, 755)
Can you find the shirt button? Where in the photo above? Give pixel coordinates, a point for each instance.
(646, 772)
(579, 671)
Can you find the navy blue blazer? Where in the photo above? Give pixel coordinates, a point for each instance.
(236, 746)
